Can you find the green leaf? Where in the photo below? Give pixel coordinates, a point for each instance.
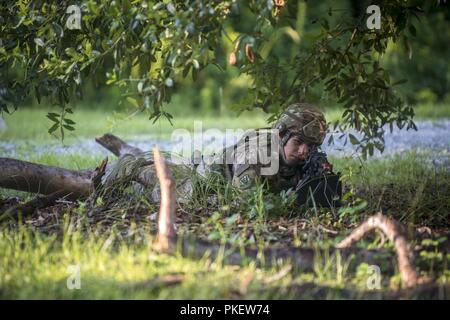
(39, 42)
(58, 29)
(232, 220)
(215, 235)
(70, 128)
(133, 101)
(88, 49)
(38, 94)
(186, 70)
(371, 149)
(53, 116)
(353, 139)
(140, 86)
(68, 121)
(194, 74)
(399, 82)
(413, 30)
(53, 128)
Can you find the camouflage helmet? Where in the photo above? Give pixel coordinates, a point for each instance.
(304, 120)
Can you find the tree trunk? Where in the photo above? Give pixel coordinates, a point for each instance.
(71, 184)
(42, 179)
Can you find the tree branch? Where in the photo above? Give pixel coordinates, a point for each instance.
(166, 231)
(394, 231)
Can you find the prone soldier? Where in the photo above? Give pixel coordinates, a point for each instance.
(292, 142)
(286, 156)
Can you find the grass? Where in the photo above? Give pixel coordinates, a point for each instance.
(129, 270)
(111, 266)
(116, 260)
(404, 186)
(31, 123)
(111, 245)
(433, 112)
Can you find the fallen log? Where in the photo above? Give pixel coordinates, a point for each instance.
(36, 178)
(52, 183)
(72, 184)
(43, 179)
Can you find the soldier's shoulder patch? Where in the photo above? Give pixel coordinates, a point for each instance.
(245, 179)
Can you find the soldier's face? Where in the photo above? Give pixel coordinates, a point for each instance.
(296, 151)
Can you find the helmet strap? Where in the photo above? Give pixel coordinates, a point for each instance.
(283, 141)
(286, 137)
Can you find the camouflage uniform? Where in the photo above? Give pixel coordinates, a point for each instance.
(299, 119)
(242, 164)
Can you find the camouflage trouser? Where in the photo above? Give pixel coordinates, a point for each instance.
(132, 170)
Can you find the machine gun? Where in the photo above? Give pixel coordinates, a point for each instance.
(319, 186)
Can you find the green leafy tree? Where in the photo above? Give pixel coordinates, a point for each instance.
(147, 47)
(424, 58)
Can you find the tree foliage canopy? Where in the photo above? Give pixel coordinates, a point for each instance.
(146, 47)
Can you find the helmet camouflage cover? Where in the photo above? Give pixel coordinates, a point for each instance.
(304, 120)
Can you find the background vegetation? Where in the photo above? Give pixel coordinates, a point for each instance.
(111, 243)
(239, 55)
